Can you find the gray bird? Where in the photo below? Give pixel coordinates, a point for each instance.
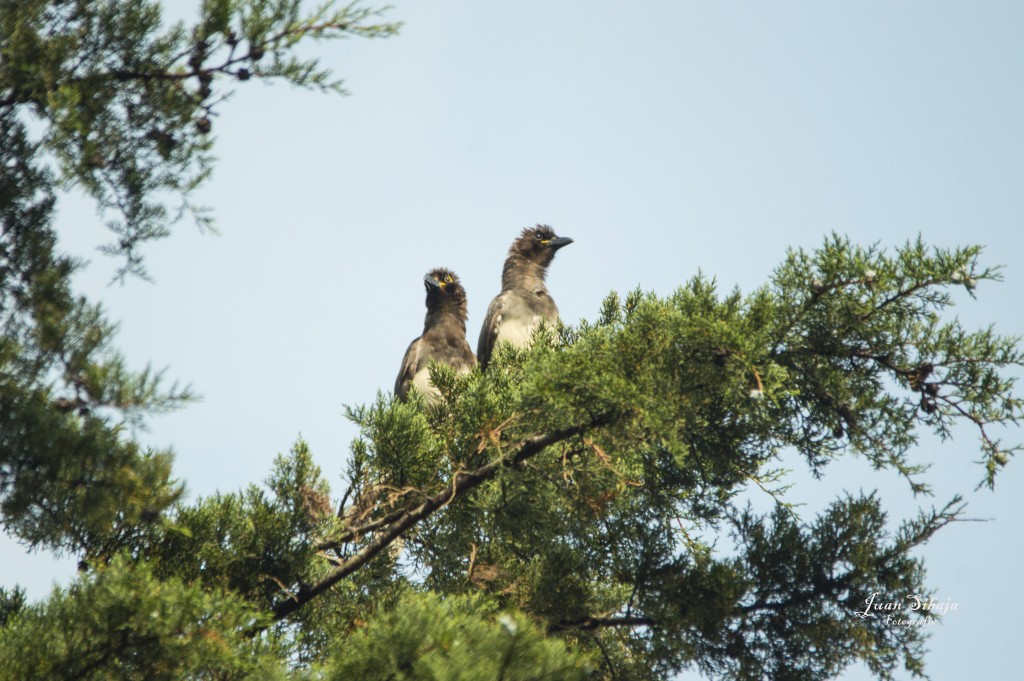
(524, 300)
(443, 339)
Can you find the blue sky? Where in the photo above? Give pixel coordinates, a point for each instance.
(664, 137)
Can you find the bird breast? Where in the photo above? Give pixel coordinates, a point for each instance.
(516, 330)
(522, 315)
(421, 379)
(443, 349)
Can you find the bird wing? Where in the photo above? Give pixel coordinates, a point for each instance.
(408, 370)
(459, 355)
(489, 330)
(465, 363)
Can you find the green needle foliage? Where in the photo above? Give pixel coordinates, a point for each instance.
(103, 96)
(122, 623)
(578, 511)
(426, 637)
(128, 105)
(69, 478)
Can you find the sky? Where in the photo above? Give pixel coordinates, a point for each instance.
(665, 138)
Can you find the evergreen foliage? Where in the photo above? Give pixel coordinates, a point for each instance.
(69, 480)
(576, 511)
(129, 105)
(460, 638)
(123, 623)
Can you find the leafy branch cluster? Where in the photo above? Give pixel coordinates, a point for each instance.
(69, 479)
(128, 105)
(122, 105)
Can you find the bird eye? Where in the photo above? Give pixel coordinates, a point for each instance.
(539, 236)
(448, 278)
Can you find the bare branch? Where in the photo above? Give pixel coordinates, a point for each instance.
(592, 623)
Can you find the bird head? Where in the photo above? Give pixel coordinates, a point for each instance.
(539, 244)
(444, 288)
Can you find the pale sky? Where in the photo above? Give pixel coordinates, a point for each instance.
(665, 138)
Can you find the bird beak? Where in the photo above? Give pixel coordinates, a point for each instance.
(557, 243)
(430, 281)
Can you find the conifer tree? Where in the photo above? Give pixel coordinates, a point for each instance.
(573, 512)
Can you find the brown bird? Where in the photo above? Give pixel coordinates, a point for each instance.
(524, 300)
(443, 339)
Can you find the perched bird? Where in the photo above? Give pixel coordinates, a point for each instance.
(443, 339)
(524, 299)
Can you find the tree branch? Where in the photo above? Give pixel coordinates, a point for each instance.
(462, 482)
(592, 623)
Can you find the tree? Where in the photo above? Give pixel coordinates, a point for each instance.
(561, 515)
(125, 109)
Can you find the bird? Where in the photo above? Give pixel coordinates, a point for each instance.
(443, 339)
(524, 300)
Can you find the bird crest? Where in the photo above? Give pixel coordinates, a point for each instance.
(532, 253)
